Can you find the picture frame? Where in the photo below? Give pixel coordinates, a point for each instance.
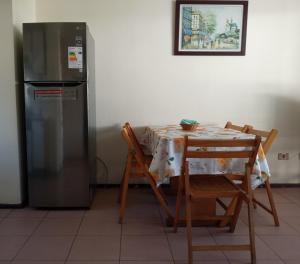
(210, 28)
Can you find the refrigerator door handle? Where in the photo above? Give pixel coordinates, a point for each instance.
(56, 84)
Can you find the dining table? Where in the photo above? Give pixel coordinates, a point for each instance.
(166, 144)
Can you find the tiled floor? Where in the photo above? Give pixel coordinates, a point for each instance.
(94, 236)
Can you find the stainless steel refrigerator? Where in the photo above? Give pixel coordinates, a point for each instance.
(60, 114)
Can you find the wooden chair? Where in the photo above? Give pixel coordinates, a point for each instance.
(231, 207)
(217, 186)
(243, 129)
(137, 166)
(134, 165)
(268, 138)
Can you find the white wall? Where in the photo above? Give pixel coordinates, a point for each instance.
(10, 181)
(139, 80)
(23, 12)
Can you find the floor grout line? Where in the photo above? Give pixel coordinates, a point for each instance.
(75, 236)
(266, 244)
(167, 238)
(262, 237)
(226, 257)
(30, 236)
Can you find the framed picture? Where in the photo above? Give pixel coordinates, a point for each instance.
(210, 27)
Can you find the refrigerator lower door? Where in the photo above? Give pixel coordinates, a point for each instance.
(57, 151)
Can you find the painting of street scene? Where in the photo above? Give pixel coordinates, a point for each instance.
(207, 27)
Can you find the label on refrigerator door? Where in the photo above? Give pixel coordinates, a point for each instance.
(75, 57)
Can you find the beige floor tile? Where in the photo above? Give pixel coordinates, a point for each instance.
(27, 213)
(145, 262)
(197, 231)
(58, 227)
(4, 212)
(66, 214)
(145, 240)
(278, 198)
(10, 246)
(224, 261)
(287, 247)
(260, 216)
(241, 229)
(143, 248)
(18, 226)
(141, 195)
(110, 213)
(106, 192)
(104, 203)
(37, 262)
(288, 210)
(283, 229)
(295, 198)
(143, 227)
(95, 227)
(54, 248)
(292, 194)
(263, 252)
(257, 262)
(94, 248)
(135, 196)
(294, 222)
(141, 211)
(178, 243)
(92, 262)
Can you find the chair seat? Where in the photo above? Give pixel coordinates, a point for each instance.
(212, 186)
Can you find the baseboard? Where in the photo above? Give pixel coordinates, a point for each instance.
(285, 185)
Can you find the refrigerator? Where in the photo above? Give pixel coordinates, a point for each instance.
(60, 114)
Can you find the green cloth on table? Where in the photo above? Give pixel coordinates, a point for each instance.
(188, 122)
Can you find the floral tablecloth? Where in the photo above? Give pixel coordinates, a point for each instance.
(166, 145)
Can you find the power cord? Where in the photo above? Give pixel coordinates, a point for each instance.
(104, 169)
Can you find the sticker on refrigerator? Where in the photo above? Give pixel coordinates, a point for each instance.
(75, 57)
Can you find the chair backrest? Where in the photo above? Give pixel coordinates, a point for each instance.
(131, 132)
(133, 145)
(243, 129)
(235, 148)
(267, 137)
(133, 137)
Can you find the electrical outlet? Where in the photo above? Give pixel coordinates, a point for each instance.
(284, 156)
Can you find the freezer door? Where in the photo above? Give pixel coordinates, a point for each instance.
(54, 52)
(57, 145)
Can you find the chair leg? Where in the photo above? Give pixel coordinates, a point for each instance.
(251, 232)
(272, 203)
(124, 172)
(178, 204)
(189, 229)
(121, 187)
(230, 211)
(236, 213)
(125, 188)
(159, 196)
